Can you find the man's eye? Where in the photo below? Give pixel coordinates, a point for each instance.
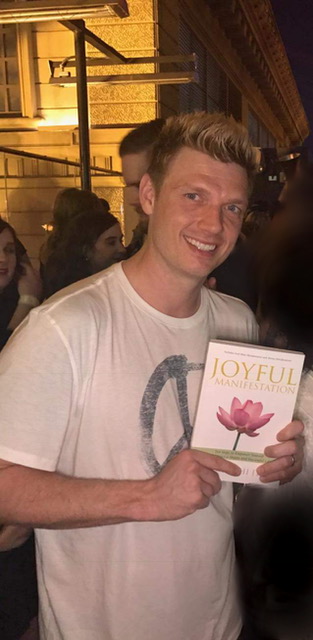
(233, 208)
(192, 196)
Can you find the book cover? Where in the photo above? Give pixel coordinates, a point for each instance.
(247, 396)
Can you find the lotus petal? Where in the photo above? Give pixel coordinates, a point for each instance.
(241, 417)
(225, 419)
(244, 417)
(254, 409)
(261, 421)
(236, 404)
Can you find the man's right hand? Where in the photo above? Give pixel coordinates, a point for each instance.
(49, 500)
(187, 483)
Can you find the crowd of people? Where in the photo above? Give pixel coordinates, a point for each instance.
(134, 530)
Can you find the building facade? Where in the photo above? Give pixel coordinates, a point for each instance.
(242, 70)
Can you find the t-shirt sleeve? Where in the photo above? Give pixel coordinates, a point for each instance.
(233, 318)
(37, 389)
(247, 321)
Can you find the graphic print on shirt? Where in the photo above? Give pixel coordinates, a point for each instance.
(176, 367)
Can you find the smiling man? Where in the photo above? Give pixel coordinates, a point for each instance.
(133, 529)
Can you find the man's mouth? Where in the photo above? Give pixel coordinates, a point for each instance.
(202, 246)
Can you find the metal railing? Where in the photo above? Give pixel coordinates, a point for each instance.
(40, 158)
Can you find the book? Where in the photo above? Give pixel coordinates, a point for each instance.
(247, 396)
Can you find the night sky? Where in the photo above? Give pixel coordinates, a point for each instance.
(295, 22)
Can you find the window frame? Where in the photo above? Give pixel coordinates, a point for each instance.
(209, 66)
(25, 58)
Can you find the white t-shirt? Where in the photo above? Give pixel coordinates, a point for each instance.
(97, 383)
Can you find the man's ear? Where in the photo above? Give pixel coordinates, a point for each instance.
(147, 194)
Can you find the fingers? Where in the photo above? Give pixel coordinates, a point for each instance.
(187, 483)
(205, 500)
(211, 483)
(292, 430)
(216, 463)
(288, 462)
(282, 470)
(288, 448)
(287, 454)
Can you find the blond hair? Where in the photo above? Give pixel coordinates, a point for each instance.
(218, 136)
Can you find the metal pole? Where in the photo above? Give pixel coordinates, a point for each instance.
(82, 103)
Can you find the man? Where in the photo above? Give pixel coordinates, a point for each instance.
(98, 394)
(135, 152)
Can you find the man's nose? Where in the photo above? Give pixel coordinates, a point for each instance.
(211, 219)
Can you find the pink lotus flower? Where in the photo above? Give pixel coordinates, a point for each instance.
(245, 418)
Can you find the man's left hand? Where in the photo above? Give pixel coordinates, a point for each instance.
(287, 454)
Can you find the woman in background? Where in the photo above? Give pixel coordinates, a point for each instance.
(68, 204)
(20, 291)
(20, 284)
(90, 243)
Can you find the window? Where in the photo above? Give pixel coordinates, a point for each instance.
(259, 134)
(10, 99)
(253, 128)
(192, 96)
(216, 86)
(214, 91)
(17, 84)
(234, 102)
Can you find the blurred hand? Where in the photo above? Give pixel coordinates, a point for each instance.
(12, 536)
(30, 283)
(288, 455)
(187, 483)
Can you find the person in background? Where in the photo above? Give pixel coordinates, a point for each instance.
(278, 594)
(68, 204)
(20, 291)
(20, 284)
(105, 205)
(257, 218)
(135, 152)
(236, 276)
(91, 242)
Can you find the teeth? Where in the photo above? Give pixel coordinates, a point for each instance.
(200, 245)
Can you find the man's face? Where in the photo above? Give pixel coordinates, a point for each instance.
(7, 258)
(134, 166)
(196, 216)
